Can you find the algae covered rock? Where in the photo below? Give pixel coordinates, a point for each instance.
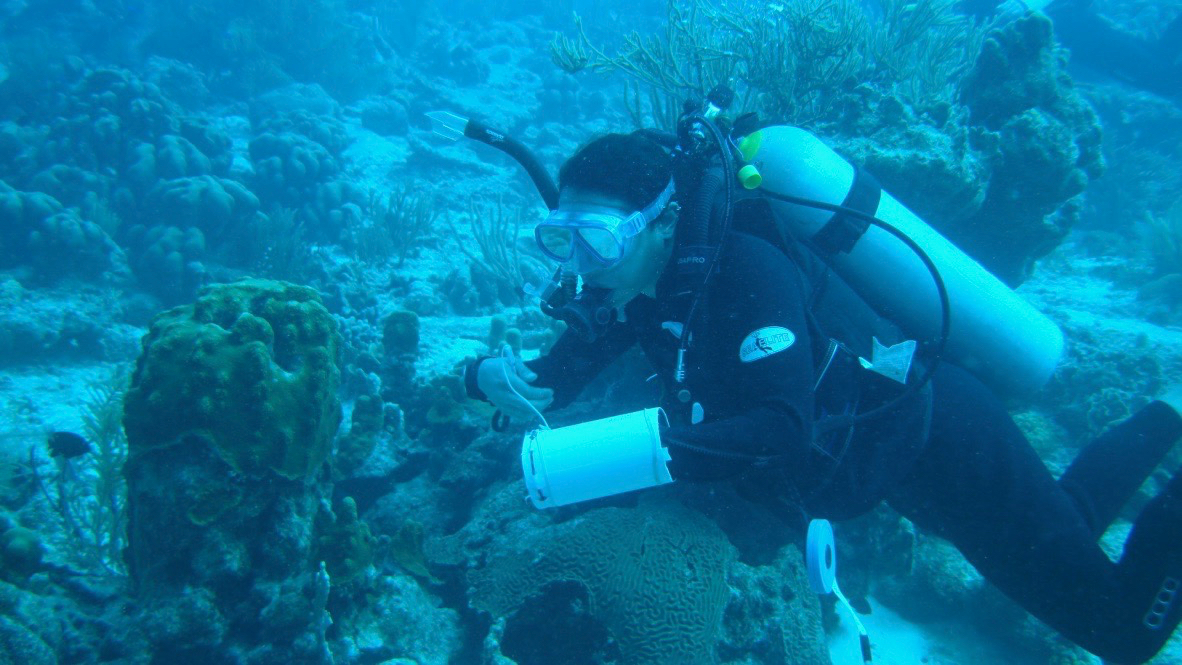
(1001, 171)
(230, 421)
(1042, 139)
(401, 623)
(26, 637)
(250, 367)
(773, 616)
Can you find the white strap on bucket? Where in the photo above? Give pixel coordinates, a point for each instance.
(511, 363)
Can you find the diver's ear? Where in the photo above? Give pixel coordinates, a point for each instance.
(666, 224)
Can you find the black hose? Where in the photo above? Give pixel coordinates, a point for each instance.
(834, 423)
(698, 234)
(937, 352)
(705, 210)
(515, 149)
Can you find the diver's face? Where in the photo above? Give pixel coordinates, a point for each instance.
(645, 254)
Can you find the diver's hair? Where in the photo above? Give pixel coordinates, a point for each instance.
(631, 167)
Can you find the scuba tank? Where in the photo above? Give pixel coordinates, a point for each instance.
(994, 333)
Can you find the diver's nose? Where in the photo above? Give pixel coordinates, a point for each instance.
(583, 261)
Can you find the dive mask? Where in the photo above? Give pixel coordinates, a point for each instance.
(593, 238)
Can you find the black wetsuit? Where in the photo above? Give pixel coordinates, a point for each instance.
(954, 464)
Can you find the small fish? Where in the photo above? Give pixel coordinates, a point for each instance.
(67, 445)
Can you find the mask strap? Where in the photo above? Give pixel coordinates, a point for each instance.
(638, 220)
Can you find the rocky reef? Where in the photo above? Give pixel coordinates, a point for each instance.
(1001, 169)
(236, 262)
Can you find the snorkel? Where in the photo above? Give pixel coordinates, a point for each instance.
(585, 309)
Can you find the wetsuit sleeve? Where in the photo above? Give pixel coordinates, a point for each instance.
(760, 357)
(572, 363)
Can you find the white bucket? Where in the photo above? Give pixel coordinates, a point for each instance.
(595, 459)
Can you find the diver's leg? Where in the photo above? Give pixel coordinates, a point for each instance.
(1106, 473)
(980, 485)
(1152, 560)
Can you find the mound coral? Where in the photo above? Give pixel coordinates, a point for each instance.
(344, 542)
(21, 553)
(295, 171)
(126, 162)
(210, 204)
(112, 122)
(36, 229)
(251, 367)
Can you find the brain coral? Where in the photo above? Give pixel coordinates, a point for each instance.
(251, 367)
(19, 645)
(655, 578)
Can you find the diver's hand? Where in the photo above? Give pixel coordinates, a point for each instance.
(491, 378)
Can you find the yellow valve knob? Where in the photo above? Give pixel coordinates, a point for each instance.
(750, 177)
(749, 145)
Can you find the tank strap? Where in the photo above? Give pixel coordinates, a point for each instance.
(841, 232)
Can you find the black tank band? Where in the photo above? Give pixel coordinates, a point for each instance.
(841, 232)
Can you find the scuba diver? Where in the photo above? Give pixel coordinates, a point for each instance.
(1154, 66)
(800, 321)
